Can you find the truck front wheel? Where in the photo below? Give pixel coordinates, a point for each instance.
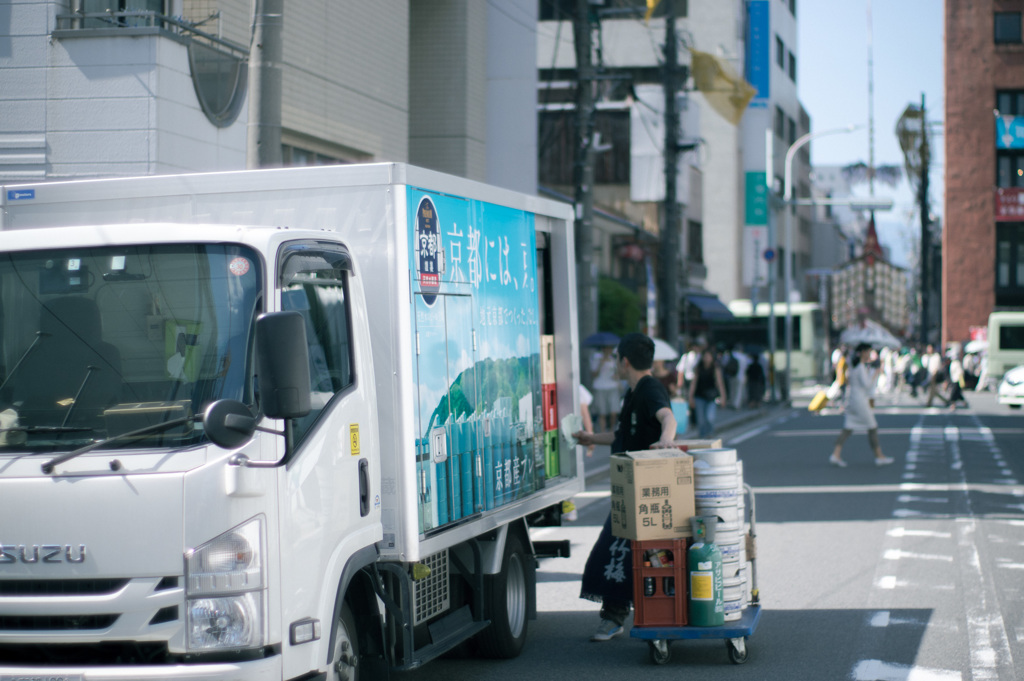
(345, 659)
(507, 595)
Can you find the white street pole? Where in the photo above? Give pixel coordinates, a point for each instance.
(787, 198)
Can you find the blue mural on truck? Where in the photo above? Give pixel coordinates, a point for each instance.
(476, 354)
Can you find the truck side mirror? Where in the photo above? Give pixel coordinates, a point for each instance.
(282, 363)
(228, 424)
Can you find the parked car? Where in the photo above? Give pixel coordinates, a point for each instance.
(1011, 388)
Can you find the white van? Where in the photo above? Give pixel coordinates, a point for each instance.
(1005, 342)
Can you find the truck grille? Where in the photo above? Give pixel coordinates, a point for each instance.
(55, 622)
(431, 593)
(60, 587)
(76, 654)
(89, 621)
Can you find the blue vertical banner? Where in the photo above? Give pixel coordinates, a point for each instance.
(759, 46)
(476, 350)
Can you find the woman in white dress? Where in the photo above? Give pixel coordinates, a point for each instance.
(859, 414)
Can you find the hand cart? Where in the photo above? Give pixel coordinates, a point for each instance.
(735, 633)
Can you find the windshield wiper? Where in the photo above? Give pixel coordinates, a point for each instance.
(154, 428)
(39, 337)
(71, 407)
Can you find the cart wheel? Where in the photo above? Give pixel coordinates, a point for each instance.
(737, 648)
(660, 653)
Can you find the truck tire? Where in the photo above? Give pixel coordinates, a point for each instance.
(507, 604)
(345, 656)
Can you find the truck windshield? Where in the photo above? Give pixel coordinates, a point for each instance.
(98, 342)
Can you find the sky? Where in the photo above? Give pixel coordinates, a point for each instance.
(832, 83)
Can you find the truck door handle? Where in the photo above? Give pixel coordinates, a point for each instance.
(364, 487)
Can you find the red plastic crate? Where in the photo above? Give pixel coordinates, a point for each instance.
(666, 604)
(549, 400)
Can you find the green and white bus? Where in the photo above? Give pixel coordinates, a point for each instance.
(809, 350)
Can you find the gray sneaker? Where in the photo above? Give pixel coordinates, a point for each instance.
(606, 631)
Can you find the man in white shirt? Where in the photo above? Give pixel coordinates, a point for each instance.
(738, 383)
(687, 365)
(932, 363)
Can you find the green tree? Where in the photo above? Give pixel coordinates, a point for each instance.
(619, 309)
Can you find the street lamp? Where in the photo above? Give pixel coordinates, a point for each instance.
(787, 202)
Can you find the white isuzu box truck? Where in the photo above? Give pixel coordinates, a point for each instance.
(277, 424)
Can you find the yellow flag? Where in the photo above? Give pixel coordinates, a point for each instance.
(726, 91)
(651, 4)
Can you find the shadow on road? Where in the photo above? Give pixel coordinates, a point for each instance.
(796, 644)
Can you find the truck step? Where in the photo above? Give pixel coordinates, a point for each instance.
(551, 549)
(445, 634)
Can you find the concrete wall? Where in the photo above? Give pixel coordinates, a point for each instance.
(448, 86)
(512, 95)
(346, 78)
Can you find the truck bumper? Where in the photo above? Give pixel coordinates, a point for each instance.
(268, 669)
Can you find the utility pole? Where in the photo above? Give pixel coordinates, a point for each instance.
(926, 227)
(263, 139)
(586, 284)
(670, 255)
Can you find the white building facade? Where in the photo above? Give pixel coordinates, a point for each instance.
(93, 88)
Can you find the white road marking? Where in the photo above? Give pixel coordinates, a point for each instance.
(877, 670)
(897, 554)
(880, 619)
(747, 435)
(904, 532)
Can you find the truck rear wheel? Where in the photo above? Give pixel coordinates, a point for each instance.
(507, 600)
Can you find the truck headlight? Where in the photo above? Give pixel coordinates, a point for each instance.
(224, 590)
(227, 622)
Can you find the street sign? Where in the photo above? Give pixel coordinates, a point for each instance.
(769, 254)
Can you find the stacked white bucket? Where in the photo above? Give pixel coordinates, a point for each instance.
(718, 491)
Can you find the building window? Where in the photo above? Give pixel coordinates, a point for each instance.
(297, 156)
(557, 147)
(792, 131)
(121, 12)
(1007, 27)
(780, 52)
(564, 10)
(780, 123)
(1009, 168)
(695, 241)
(1010, 264)
(792, 7)
(1010, 102)
(792, 67)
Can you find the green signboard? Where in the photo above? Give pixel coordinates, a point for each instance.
(757, 199)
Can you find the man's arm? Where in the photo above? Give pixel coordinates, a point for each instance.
(586, 439)
(668, 428)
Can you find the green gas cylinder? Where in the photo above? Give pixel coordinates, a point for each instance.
(704, 569)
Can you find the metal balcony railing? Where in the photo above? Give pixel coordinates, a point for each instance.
(82, 24)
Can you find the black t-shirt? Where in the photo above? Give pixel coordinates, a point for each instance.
(638, 427)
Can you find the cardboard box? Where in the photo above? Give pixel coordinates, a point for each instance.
(652, 494)
(690, 445)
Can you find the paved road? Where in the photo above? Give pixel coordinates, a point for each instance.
(911, 572)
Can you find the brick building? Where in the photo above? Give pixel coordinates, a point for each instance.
(983, 237)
